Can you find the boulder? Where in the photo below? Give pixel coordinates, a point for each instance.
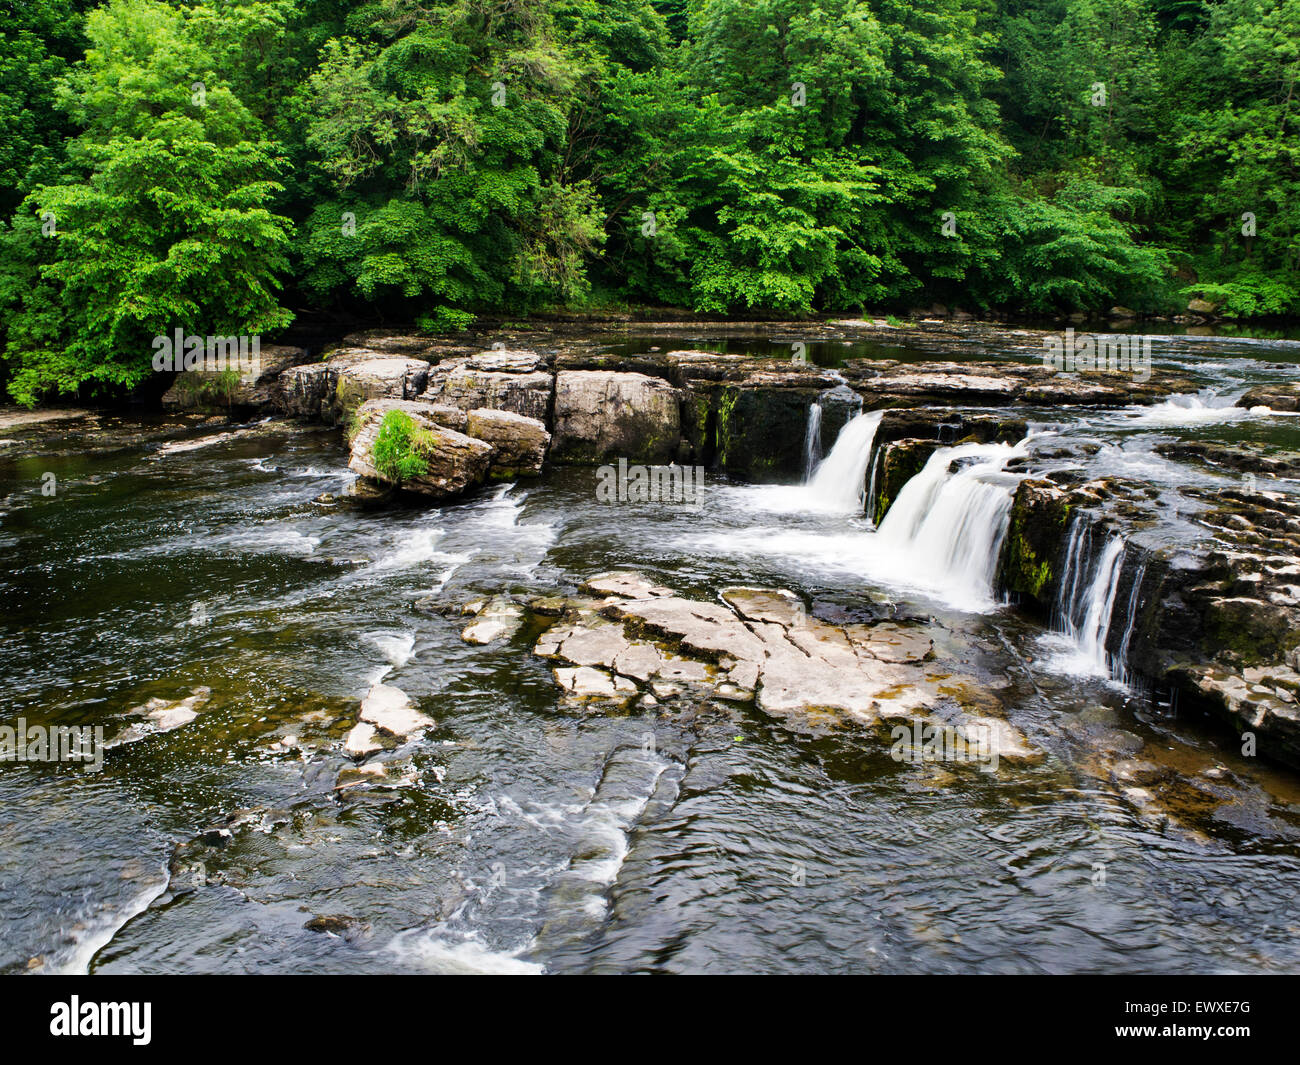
(455, 462)
(601, 415)
(519, 443)
(359, 380)
(495, 380)
(301, 390)
(1280, 397)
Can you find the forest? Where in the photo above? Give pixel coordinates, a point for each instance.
(233, 166)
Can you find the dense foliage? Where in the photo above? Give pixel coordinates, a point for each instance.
(210, 166)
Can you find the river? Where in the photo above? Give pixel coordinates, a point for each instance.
(518, 836)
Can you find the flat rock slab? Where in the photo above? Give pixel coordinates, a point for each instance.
(163, 715)
(765, 604)
(389, 709)
(758, 644)
(493, 620)
(624, 583)
(587, 682)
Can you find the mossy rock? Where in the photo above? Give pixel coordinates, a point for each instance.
(1037, 531)
(899, 463)
(759, 432)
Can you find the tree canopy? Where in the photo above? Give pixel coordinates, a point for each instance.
(219, 167)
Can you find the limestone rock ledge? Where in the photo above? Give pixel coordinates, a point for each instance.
(628, 641)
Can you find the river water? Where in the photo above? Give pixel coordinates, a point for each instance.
(520, 836)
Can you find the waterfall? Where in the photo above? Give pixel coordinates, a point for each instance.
(812, 442)
(1085, 600)
(945, 529)
(1120, 663)
(839, 481)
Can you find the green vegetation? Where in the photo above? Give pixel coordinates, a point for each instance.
(209, 388)
(397, 447)
(166, 164)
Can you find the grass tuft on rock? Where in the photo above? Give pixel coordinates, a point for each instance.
(397, 447)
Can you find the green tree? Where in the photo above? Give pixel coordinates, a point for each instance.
(165, 219)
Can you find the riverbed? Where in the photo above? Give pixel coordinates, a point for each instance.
(521, 835)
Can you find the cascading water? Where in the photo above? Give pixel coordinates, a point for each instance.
(839, 481)
(945, 530)
(1085, 602)
(812, 444)
(1120, 661)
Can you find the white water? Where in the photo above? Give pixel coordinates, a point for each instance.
(812, 441)
(1085, 606)
(942, 537)
(839, 481)
(945, 530)
(1188, 409)
(95, 933)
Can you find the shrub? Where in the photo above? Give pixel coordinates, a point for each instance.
(397, 446)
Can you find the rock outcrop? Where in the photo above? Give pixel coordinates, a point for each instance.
(519, 443)
(459, 450)
(234, 391)
(627, 640)
(603, 415)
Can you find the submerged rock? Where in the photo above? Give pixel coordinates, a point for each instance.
(163, 715)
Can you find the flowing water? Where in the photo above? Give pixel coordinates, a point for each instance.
(519, 837)
(839, 481)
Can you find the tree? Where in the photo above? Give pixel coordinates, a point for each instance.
(164, 220)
